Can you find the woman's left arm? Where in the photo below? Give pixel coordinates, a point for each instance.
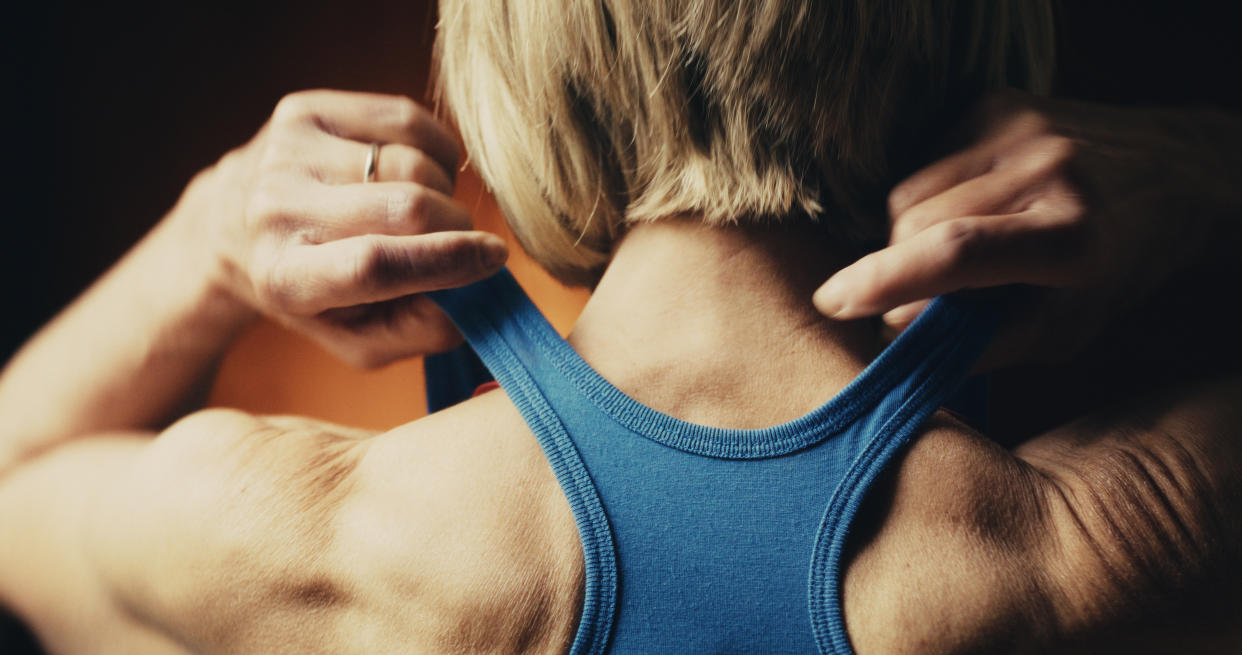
(1094, 210)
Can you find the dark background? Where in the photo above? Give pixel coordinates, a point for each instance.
(111, 109)
(114, 108)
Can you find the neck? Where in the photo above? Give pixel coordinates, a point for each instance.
(715, 325)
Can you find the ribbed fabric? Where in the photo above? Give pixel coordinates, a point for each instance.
(700, 539)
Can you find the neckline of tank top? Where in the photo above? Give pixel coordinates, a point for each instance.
(942, 326)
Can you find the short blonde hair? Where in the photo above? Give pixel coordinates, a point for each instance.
(584, 116)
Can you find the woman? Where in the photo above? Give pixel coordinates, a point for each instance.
(675, 157)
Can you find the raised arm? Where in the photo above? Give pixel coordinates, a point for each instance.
(284, 225)
(1118, 529)
(99, 522)
(1093, 211)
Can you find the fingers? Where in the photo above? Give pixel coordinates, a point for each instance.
(318, 214)
(942, 175)
(332, 159)
(1002, 211)
(346, 262)
(344, 162)
(371, 117)
(980, 251)
(372, 335)
(304, 280)
(904, 315)
(1020, 177)
(1006, 131)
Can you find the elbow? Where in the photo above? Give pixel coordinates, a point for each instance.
(1145, 543)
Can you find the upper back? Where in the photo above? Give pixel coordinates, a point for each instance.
(459, 531)
(527, 521)
(452, 534)
(703, 538)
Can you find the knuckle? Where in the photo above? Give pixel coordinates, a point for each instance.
(902, 197)
(1047, 158)
(911, 221)
(278, 154)
(276, 290)
(268, 210)
(1065, 203)
(1058, 149)
(292, 107)
(408, 114)
(409, 209)
(1031, 121)
(962, 240)
(265, 203)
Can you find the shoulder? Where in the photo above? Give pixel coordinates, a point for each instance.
(215, 530)
(1142, 498)
(1109, 530)
(448, 534)
(944, 548)
(463, 523)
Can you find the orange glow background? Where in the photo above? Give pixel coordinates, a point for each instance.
(272, 370)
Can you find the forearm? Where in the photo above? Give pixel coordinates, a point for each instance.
(132, 352)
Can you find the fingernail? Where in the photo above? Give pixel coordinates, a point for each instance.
(902, 316)
(829, 299)
(496, 251)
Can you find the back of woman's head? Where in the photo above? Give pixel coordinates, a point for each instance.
(584, 116)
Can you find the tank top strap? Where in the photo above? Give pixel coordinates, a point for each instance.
(504, 328)
(921, 370)
(827, 460)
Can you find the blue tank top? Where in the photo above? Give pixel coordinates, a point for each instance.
(701, 539)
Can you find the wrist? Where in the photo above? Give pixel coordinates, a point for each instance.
(203, 232)
(192, 241)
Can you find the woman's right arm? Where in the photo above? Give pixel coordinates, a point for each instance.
(285, 226)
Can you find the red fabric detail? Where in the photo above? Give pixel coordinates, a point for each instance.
(484, 388)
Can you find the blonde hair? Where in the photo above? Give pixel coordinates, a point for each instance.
(584, 116)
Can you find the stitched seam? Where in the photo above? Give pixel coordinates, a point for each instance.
(829, 419)
(827, 613)
(595, 535)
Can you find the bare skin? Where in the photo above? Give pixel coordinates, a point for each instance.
(236, 534)
(231, 533)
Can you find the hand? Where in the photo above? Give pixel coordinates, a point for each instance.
(1094, 208)
(299, 236)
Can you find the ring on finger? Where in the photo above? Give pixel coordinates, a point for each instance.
(372, 165)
